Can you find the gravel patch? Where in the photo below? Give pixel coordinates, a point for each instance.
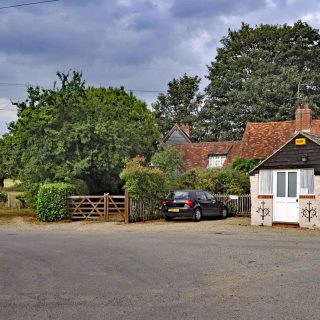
(232, 225)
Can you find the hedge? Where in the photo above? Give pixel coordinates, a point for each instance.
(52, 201)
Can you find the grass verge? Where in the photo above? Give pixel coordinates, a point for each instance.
(7, 215)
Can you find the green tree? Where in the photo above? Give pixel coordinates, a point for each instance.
(181, 104)
(256, 74)
(169, 162)
(72, 133)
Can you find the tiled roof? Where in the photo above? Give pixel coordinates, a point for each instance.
(262, 139)
(196, 155)
(233, 153)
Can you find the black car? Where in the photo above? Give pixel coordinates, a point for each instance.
(195, 204)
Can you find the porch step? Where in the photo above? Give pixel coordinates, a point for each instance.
(286, 225)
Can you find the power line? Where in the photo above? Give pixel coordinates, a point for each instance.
(27, 4)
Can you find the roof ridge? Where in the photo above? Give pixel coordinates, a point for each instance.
(270, 122)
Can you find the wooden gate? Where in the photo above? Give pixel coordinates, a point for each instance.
(106, 207)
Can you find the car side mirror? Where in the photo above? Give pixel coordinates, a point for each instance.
(214, 200)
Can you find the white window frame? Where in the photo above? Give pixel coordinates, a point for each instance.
(216, 160)
(300, 193)
(272, 183)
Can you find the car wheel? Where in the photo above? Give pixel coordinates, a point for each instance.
(224, 213)
(197, 215)
(168, 218)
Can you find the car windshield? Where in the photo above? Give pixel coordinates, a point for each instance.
(179, 195)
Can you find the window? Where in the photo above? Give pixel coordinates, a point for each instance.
(179, 195)
(265, 181)
(216, 161)
(201, 196)
(209, 196)
(307, 181)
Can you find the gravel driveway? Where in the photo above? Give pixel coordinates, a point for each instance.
(177, 270)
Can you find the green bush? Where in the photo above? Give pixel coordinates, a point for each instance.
(169, 162)
(52, 201)
(143, 182)
(3, 197)
(244, 165)
(217, 181)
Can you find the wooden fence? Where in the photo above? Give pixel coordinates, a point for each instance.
(143, 211)
(106, 207)
(239, 205)
(121, 208)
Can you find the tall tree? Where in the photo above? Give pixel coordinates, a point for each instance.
(256, 75)
(74, 133)
(181, 104)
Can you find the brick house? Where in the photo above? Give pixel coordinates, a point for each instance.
(260, 140)
(285, 186)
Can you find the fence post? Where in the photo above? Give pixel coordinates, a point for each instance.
(105, 206)
(126, 206)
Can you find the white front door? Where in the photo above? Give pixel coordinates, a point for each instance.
(286, 204)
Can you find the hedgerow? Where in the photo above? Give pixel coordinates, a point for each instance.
(52, 201)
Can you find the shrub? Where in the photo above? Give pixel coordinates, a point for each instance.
(169, 162)
(143, 182)
(52, 201)
(3, 197)
(218, 181)
(244, 165)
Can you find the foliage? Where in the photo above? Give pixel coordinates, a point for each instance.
(217, 181)
(73, 133)
(3, 197)
(169, 162)
(52, 201)
(181, 104)
(255, 77)
(143, 182)
(244, 165)
(23, 200)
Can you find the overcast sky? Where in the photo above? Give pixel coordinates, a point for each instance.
(140, 45)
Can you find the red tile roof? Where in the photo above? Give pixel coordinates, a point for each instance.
(259, 141)
(196, 155)
(262, 139)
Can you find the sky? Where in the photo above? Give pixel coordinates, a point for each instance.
(138, 44)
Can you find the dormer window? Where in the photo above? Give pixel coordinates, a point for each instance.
(216, 161)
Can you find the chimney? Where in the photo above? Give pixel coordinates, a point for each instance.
(185, 128)
(303, 118)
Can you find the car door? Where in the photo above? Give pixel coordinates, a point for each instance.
(214, 205)
(204, 203)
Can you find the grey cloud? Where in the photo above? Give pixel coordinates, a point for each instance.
(136, 43)
(207, 8)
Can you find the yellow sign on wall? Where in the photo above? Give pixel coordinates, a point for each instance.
(301, 141)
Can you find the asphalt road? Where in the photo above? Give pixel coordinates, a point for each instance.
(158, 275)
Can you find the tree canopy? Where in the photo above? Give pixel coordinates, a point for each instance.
(256, 75)
(73, 133)
(181, 104)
